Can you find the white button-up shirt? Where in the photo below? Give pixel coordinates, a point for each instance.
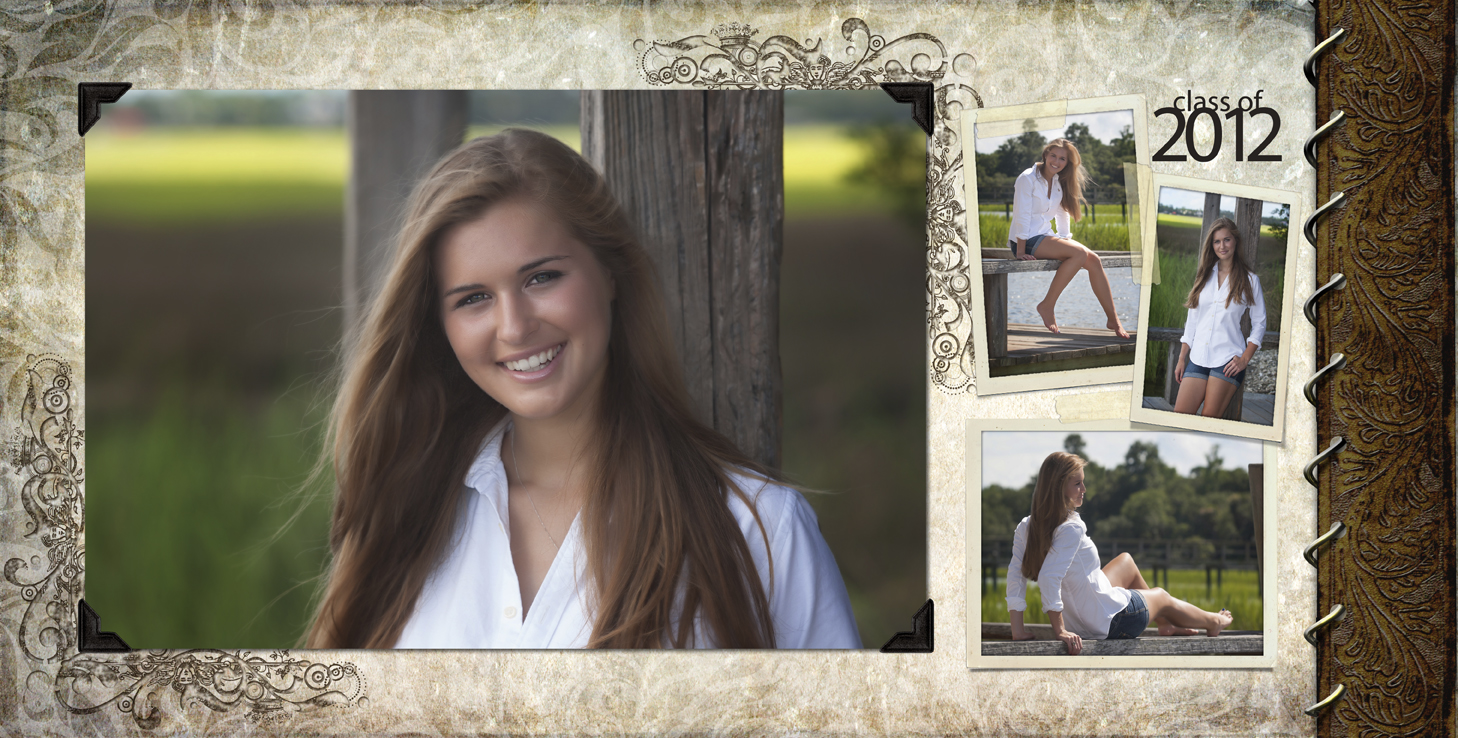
(1071, 580)
(1212, 330)
(473, 599)
(1033, 207)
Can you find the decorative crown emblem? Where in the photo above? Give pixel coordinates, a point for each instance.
(734, 33)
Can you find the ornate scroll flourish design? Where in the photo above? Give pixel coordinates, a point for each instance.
(44, 450)
(268, 688)
(732, 59)
(1393, 403)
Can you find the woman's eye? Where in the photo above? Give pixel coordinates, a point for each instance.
(471, 299)
(543, 277)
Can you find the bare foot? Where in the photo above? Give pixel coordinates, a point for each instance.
(1167, 629)
(1117, 327)
(1047, 315)
(1223, 619)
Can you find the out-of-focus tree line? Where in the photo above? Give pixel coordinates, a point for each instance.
(997, 171)
(1142, 498)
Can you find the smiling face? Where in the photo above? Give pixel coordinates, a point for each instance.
(1073, 489)
(1055, 160)
(527, 309)
(1223, 244)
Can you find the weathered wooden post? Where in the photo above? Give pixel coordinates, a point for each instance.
(701, 174)
(395, 136)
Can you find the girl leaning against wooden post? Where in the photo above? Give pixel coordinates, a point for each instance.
(1083, 601)
(1052, 189)
(1214, 351)
(517, 464)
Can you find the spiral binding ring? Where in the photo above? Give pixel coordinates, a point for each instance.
(1337, 361)
(1310, 228)
(1310, 470)
(1331, 699)
(1332, 618)
(1310, 66)
(1338, 529)
(1310, 147)
(1338, 281)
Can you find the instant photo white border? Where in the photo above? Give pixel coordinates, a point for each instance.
(1051, 114)
(1276, 431)
(1270, 556)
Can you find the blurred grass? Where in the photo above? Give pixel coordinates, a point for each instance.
(181, 177)
(1239, 592)
(184, 502)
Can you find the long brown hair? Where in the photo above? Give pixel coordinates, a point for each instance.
(1050, 508)
(408, 421)
(1240, 290)
(1071, 178)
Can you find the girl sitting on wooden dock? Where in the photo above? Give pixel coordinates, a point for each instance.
(1213, 346)
(1052, 189)
(1082, 600)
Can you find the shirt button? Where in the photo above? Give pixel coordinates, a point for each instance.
(509, 612)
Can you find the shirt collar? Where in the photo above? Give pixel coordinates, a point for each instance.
(487, 473)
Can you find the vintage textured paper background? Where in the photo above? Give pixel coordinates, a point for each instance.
(993, 54)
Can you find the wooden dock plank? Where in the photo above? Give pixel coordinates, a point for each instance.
(1044, 632)
(1258, 409)
(1028, 344)
(1234, 645)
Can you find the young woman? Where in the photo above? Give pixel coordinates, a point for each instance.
(516, 461)
(1083, 601)
(1214, 351)
(1052, 189)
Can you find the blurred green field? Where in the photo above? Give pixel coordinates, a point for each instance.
(1239, 592)
(190, 502)
(180, 177)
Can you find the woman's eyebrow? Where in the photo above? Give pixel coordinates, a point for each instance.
(533, 265)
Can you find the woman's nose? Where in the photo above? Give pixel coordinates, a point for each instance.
(518, 320)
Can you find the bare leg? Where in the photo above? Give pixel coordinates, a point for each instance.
(1123, 572)
(1217, 395)
(1099, 281)
(1191, 394)
(1073, 257)
(1184, 615)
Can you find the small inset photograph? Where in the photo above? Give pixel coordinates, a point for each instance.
(1060, 261)
(1210, 351)
(1148, 547)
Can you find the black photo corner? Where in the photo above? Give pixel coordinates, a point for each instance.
(922, 637)
(92, 639)
(89, 98)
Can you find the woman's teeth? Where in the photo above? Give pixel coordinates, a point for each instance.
(533, 362)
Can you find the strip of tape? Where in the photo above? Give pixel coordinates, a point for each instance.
(1093, 406)
(1048, 116)
(1139, 188)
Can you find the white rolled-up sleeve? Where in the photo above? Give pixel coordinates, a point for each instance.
(1192, 321)
(1061, 220)
(1257, 312)
(1055, 566)
(1022, 224)
(1017, 584)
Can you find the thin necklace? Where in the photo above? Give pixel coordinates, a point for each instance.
(543, 523)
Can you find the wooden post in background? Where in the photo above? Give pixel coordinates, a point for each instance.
(1257, 473)
(395, 136)
(701, 175)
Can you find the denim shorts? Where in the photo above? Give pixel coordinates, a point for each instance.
(1131, 621)
(1206, 372)
(1028, 245)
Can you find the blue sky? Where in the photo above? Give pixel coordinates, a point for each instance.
(1191, 199)
(1011, 458)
